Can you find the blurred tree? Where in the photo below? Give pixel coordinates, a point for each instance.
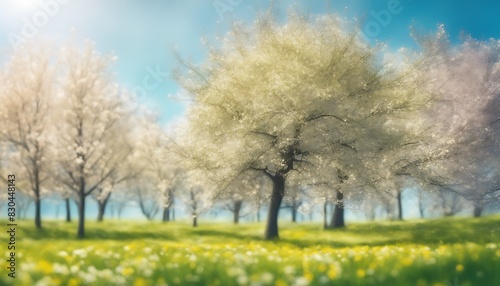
(286, 99)
(27, 93)
(466, 83)
(93, 131)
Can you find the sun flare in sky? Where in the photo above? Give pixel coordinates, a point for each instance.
(24, 5)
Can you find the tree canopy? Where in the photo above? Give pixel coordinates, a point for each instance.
(305, 97)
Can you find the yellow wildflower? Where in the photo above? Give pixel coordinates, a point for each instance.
(73, 281)
(45, 267)
(332, 273)
(139, 281)
(127, 271)
(407, 261)
(309, 276)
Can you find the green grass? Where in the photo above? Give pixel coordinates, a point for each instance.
(450, 251)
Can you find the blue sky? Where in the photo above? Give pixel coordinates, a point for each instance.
(144, 33)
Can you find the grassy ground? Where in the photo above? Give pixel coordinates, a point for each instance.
(449, 251)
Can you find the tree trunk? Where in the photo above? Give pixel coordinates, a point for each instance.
(101, 208)
(68, 210)
(169, 201)
(38, 212)
(100, 211)
(166, 214)
(195, 221)
(338, 212)
(276, 197)
(38, 203)
(194, 206)
(400, 205)
(258, 214)
(478, 210)
(294, 212)
(325, 215)
(421, 208)
(81, 215)
(237, 209)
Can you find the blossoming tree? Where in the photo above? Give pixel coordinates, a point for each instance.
(464, 117)
(290, 99)
(27, 92)
(92, 137)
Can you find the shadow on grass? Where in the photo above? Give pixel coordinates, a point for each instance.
(429, 232)
(96, 231)
(437, 231)
(224, 234)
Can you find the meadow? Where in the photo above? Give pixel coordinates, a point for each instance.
(448, 251)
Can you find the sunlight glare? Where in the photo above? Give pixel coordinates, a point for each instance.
(24, 5)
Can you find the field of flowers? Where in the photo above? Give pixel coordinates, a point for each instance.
(437, 252)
